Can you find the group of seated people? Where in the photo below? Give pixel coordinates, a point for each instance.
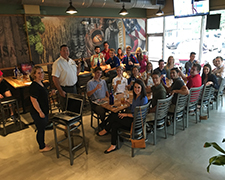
(109, 56)
(145, 82)
(143, 79)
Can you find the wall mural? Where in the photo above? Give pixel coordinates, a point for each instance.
(47, 34)
(13, 41)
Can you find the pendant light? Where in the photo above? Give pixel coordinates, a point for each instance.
(159, 12)
(71, 9)
(123, 11)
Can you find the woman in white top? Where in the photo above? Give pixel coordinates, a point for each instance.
(119, 82)
(146, 75)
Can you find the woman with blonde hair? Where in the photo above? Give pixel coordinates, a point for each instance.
(39, 106)
(169, 66)
(142, 59)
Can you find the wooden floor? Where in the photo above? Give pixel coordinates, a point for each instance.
(180, 157)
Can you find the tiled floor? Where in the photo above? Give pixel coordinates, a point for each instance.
(180, 157)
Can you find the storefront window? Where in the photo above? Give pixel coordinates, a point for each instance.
(155, 37)
(155, 25)
(182, 36)
(155, 47)
(214, 40)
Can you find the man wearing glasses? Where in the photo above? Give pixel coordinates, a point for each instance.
(194, 80)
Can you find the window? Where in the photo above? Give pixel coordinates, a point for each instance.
(155, 38)
(214, 40)
(182, 36)
(178, 37)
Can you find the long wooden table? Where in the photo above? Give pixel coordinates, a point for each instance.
(20, 84)
(85, 72)
(117, 102)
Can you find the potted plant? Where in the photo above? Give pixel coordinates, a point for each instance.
(218, 160)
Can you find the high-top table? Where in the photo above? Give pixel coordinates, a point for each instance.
(85, 72)
(20, 84)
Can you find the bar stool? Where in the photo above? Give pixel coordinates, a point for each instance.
(68, 127)
(5, 105)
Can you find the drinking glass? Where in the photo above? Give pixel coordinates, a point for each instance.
(122, 101)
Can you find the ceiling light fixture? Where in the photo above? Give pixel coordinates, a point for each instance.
(159, 12)
(71, 9)
(123, 11)
(84, 22)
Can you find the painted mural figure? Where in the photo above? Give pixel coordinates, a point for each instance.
(135, 32)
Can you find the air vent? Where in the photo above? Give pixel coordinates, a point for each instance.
(160, 2)
(126, 1)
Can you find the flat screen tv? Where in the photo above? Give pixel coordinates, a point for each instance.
(213, 21)
(186, 8)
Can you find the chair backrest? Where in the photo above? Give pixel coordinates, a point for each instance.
(112, 74)
(181, 103)
(162, 108)
(140, 113)
(221, 87)
(194, 96)
(74, 103)
(206, 94)
(84, 78)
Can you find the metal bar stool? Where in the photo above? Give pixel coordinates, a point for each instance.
(5, 105)
(70, 126)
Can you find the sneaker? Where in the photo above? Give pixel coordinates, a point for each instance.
(46, 149)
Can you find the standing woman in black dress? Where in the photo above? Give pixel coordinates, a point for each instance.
(39, 109)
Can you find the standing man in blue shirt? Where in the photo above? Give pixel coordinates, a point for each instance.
(129, 59)
(161, 67)
(113, 60)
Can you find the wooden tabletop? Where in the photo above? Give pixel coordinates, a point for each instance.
(117, 102)
(16, 83)
(105, 67)
(85, 72)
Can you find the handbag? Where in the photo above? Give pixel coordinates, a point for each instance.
(138, 143)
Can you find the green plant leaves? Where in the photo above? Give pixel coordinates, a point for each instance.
(215, 145)
(216, 160)
(39, 48)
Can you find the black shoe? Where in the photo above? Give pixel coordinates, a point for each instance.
(107, 152)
